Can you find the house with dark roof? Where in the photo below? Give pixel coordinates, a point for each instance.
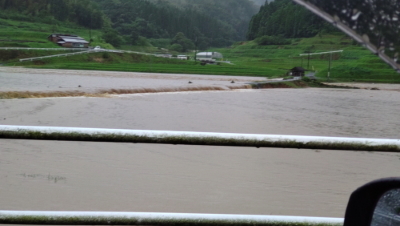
(68, 41)
(297, 71)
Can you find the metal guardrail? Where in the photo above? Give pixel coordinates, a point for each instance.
(135, 218)
(309, 54)
(57, 55)
(81, 51)
(198, 138)
(47, 49)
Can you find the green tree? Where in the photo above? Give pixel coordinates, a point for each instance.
(176, 47)
(285, 18)
(184, 42)
(111, 36)
(134, 37)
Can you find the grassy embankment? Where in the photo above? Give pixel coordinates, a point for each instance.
(355, 63)
(25, 33)
(248, 58)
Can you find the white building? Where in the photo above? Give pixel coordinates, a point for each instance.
(210, 56)
(183, 57)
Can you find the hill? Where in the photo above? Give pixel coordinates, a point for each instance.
(84, 12)
(206, 23)
(125, 21)
(235, 14)
(287, 19)
(265, 55)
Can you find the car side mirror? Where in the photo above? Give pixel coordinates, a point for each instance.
(375, 203)
(387, 210)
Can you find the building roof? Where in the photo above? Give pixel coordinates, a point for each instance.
(299, 69)
(58, 35)
(63, 38)
(73, 40)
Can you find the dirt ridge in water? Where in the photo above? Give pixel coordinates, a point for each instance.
(109, 92)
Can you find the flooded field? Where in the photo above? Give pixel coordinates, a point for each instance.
(55, 175)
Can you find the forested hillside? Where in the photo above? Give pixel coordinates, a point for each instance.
(285, 19)
(82, 12)
(207, 22)
(233, 13)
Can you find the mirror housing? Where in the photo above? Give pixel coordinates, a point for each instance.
(361, 206)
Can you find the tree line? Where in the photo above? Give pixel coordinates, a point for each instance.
(285, 19)
(206, 23)
(82, 12)
(187, 23)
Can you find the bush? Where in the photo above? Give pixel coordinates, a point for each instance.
(142, 41)
(106, 55)
(161, 43)
(111, 36)
(272, 40)
(353, 55)
(176, 47)
(185, 43)
(9, 54)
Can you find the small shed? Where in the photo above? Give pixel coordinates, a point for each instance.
(297, 71)
(69, 41)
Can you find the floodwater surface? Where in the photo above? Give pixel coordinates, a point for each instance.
(86, 176)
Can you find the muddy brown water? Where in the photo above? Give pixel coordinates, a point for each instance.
(86, 176)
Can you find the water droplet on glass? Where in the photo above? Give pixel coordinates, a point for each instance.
(391, 47)
(355, 17)
(336, 18)
(365, 37)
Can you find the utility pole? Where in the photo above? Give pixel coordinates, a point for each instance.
(195, 51)
(90, 29)
(329, 68)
